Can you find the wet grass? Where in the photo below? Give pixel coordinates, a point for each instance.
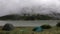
(28, 30)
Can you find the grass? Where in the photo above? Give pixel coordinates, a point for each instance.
(28, 30)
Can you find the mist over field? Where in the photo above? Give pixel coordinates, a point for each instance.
(50, 7)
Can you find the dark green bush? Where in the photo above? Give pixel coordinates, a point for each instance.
(8, 27)
(58, 24)
(46, 26)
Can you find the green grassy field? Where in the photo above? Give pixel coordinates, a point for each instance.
(28, 30)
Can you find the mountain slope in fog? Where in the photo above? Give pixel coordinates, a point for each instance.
(50, 9)
(28, 17)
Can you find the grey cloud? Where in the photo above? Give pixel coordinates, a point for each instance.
(38, 6)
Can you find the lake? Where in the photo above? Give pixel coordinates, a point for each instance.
(30, 23)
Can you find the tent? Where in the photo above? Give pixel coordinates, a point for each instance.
(37, 29)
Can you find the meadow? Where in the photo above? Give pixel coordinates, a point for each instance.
(28, 30)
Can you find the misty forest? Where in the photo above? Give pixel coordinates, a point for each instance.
(24, 17)
(31, 16)
(27, 13)
(28, 17)
(30, 10)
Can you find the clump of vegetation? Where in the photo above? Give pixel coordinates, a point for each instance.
(58, 24)
(46, 26)
(8, 27)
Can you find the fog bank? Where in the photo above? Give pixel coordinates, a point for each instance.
(29, 6)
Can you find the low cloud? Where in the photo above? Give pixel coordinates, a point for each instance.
(29, 6)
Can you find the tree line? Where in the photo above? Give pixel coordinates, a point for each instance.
(26, 17)
(33, 16)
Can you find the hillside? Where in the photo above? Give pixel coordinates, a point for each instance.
(28, 17)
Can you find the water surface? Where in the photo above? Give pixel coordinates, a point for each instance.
(30, 23)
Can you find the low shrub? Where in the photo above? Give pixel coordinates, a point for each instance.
(8, 27)
(58, 24)
(46, 26)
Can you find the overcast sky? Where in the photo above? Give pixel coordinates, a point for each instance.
(38, 6)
